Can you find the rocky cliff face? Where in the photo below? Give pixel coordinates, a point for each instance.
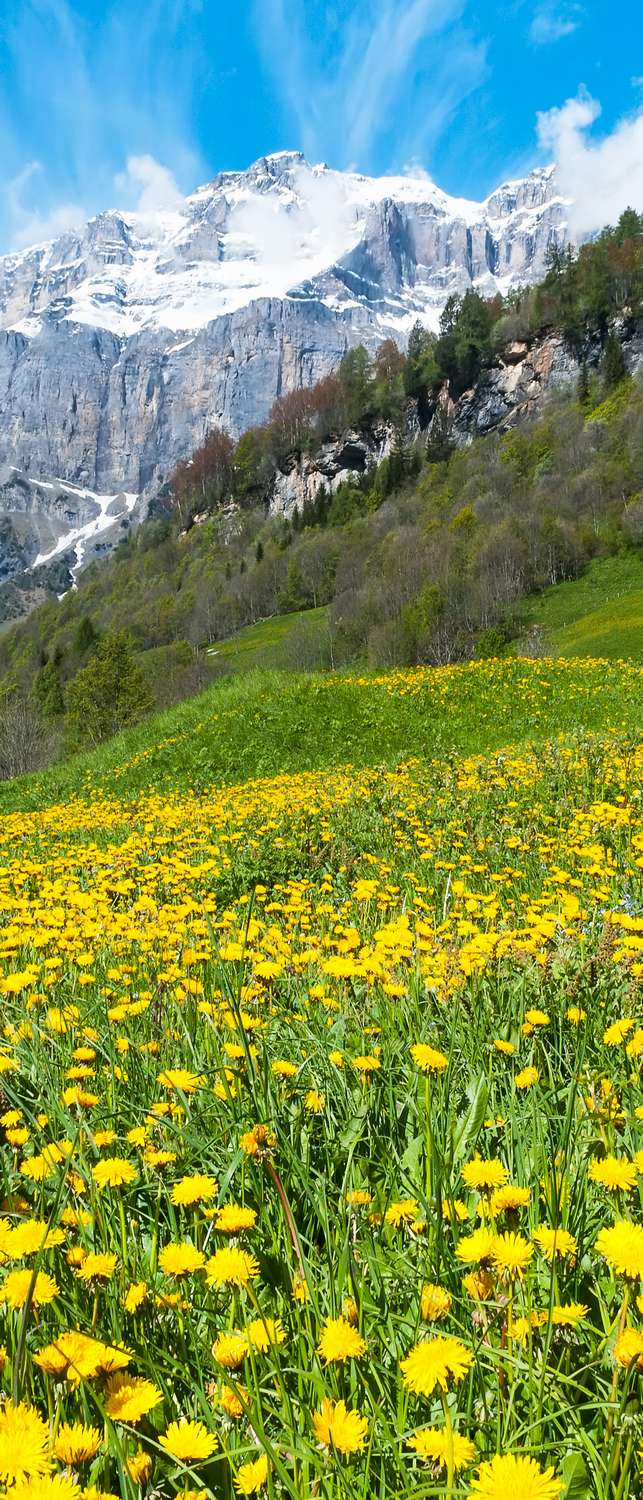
(123, 342)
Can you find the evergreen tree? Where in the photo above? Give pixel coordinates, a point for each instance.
(48, 692)
(85, 636)
(108, 694)
(613, 364)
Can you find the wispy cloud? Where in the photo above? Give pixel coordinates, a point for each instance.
(602, 175)
(552, 22)
(104, 92)
(345, 80)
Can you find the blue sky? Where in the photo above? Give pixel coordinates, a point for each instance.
(183, 88)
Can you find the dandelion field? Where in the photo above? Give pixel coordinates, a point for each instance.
(322, 1108)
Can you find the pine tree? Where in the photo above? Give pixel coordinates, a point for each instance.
(48, 692)
(613, 365)
(108, 694)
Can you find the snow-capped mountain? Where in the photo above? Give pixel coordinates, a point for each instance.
(123, 341)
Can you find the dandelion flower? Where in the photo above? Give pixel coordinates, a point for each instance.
(511, 1477)
(507, 1199)
(432, 1444)
(339, 1341)
(511, 1255)
(188, 1441)
(233, 1219)
(98, 1266)
(527, 1078)
(76, 1444)
(24, 1444)
(114, 1172)
(629, 1348)
(181, 1260)
(251, 1477)
(131, 1397)
(476, 1247)
(435, 1303)
(230, 1350)
(622, 1247)
(434, 1362)
(403, 1212)
(568, 1314)
(190, 1190)
(21, 1287)
(484, 1175)
(231, 1267)
(427, 1059)
(555, 1242)
(337, 1427)
(265, 1333)
(615, 1173)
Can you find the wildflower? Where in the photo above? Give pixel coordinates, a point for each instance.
(314, 1101)
(251, 1477)
(233, 1219)
(434, 1362)
(24, 1443)
(230, 1350)
(510, 1477)
(617, 1032)
(258, 1141)
(231, 1267)
(234, 1401)
(576, 1014)
(502, 1046)
(181, 1260)
(113, 1172)
(339, 1341)
(188, 1441)
(98, 1266)
(139, 1467)
(435, 1303)
(511, 1255)
(507, 1199)
(568, 1314)
(622, 1247)
(427, 1059)
(22, 1287)
(265, 1333)
(76, 1444)
(181, 1079)
(615, 1173)
(366, 1064)
(527, 1078)
(629, 1348)
(555, 1242)
(130, 1398)
(403, 1212)
(432, 1444)
(190, 1190)
(476, 1247)
(135, 1296)
(359, 1198)
(484, 1175)
(337, 1427)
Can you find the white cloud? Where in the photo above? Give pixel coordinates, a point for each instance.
(88, 98)
(601, 175)
(404, 62)
(550, 24)
(147, 186)
(28, 225)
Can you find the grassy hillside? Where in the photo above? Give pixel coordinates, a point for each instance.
(322, 1125)
(261, 724)
(599, 614)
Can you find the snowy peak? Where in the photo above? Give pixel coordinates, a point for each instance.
(270, 231)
